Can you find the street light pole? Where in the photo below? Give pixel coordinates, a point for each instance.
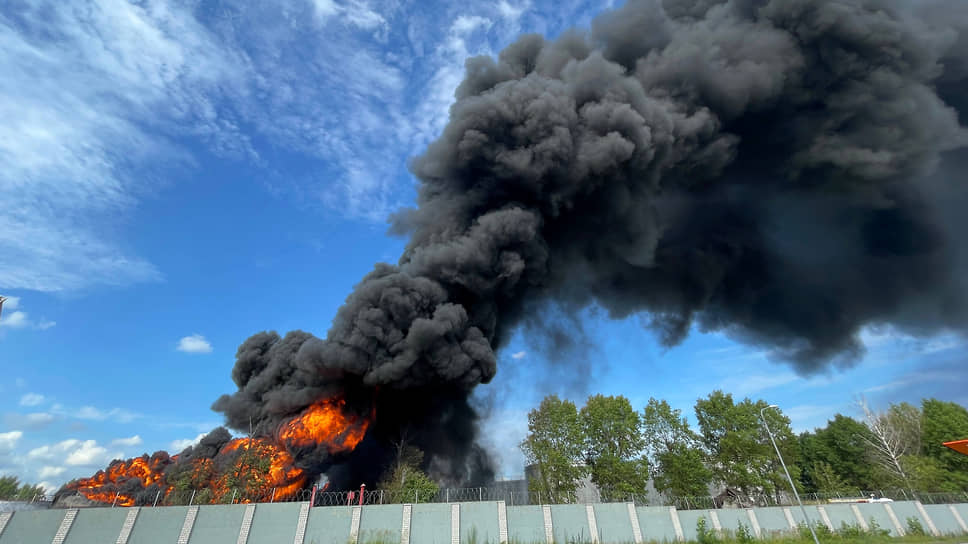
(792, 486)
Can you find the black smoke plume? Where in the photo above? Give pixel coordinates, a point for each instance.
(773, 169)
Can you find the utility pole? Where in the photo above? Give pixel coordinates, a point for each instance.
(789, 479)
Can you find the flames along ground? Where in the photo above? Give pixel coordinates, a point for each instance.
(251, 468)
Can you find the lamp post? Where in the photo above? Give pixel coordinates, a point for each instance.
(792, 486)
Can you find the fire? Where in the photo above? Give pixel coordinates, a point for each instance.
(146, 470)
(281, 474)
(245, 469)
(326, 423)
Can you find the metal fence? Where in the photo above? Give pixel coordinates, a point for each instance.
(516, 498)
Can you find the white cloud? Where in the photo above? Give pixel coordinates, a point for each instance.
(129, 442)
(8, 440)
(18, 319)
(179, 445)
(116, 414)
(519, 355)
(33, 420)
(512, 12)
(74, 453)
(14, 320)
(195, 343)
(88, 454)
(77, 100)
(32, 399)
(51, 472)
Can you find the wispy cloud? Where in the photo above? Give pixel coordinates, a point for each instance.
(179, 445)
(32, 399)
(118, 415)
(129, 442)
(195, 343)
(74, 452)
(519, 355)
(14, 318)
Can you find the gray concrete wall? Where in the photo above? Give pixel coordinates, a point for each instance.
(477, 522)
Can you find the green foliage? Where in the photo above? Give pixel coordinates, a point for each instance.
(613, 444)
(943, 422)
(12, 490)
(841, 446)
(741, 454)
(679, 466)
(705, 535)
(744, 534)
(682, 472)
(406, 482)
(555, 444)
(826, 480)
(914, 527)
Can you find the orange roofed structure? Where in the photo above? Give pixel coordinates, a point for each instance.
(960, 446)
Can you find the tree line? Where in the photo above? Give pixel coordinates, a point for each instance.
(12, 490)
(621, 448)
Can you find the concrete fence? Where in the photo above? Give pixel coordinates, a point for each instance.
(454, 523)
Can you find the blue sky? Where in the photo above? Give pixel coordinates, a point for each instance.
(177, 176)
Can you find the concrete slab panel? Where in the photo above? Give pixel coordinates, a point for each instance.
(731, 518)
(217, 524)
(877, 512)
(613, 522)
(772, 521)
(839, 514)
(478, 523)
(943, 519)
(908, 509)
(326, 525)
(963, 510)
(96, 525)
(30, 526)
(274, 523)
(689, 519)
(526, 524)
(382, 523)
(161, 524)
(656, 524)
(570, 523)
(430, 524)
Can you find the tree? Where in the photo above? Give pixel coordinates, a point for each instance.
(843, 447)
(894, 433)
(9, 485)
(555, 445)
(678, 462)
(405, 481)
(944, 422)
(826, 479)
(12, 490)
(741, 454)
(613, 446)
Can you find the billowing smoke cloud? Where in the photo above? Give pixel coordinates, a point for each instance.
(766, 168)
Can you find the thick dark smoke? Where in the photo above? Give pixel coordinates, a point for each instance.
(758, 167)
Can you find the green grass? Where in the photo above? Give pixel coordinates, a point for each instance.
(846, 534)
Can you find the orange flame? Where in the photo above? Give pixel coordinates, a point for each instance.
(271, 467)
(282, 474)
(326, 423)
(141, 468)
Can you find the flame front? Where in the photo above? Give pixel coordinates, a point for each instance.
(244, 469)
(326, 423)
(282, 475)
(145, 470)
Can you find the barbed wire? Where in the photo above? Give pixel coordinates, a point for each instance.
(510, 497)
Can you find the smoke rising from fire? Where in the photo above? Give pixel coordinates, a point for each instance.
(753, 167)
(772, 169)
